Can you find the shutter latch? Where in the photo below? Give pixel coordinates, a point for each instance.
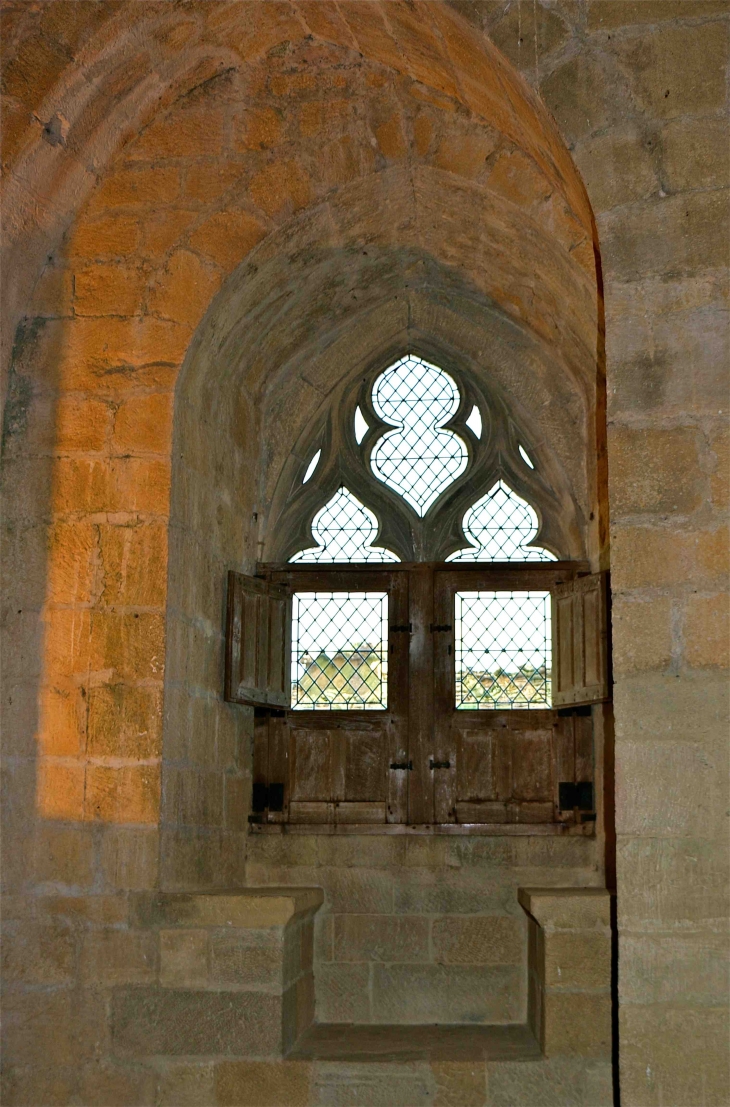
(269, 796)
(572, 796)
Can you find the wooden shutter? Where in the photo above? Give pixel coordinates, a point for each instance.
(258, 637)
(580, 641)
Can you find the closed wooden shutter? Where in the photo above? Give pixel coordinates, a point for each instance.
(258, 633)
(580, 641)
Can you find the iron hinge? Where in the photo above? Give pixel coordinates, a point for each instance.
(407, 765)
(439, 764)
(435, 627)
(401, 628)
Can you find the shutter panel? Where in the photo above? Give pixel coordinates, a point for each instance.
(580, 641)
(258, 642)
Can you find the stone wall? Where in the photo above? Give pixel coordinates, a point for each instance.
(121, 222)
(421, 929)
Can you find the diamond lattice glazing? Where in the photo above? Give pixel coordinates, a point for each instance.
(344, 529)
(419, 459)
(500, 525)
(503, 650)
(340, 651)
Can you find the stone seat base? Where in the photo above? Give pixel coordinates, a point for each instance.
(348, 1042)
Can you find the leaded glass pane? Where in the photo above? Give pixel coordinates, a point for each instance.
(503, 650)
(344, 529)
(500, 525)
(339, 651)
(419, 459)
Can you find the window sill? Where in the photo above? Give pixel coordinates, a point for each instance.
(507, 830)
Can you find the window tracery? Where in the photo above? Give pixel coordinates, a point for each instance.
(344, 529)
(420, 458)
(501, 525)
(415, 463)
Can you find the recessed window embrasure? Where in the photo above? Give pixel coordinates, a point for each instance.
(418, 574)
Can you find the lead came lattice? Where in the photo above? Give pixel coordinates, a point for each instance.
(419, 459)
(503, 650)
(340, 651)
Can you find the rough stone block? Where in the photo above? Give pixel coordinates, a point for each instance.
(343, 993)
(105, 236)
(655, 706)
(616, 167)
(642, 634)
(148, 1021)
(64, 855)
(116, 1083)
(183, 958)
(707, 632)
(654, 471)
(143, 425)
(129, 857)
(674, 1053)
(124, 721)
(557, 1082)
(576, 1024)
(577, 960)
(186, 1085)
(689, 968)
(670, 881)
(680, 234)
(109, 288)
(676, 70)
(695, 154)
(447, 993)
(61, 790)
(247, 908)
(118, 957)
(441, 893)
(478, 940)
(136, 185)
(71, 1024)
(672, 789)
(460, 1083)
(132, 645)
(568, 908)
(388, 1084)
(130, 794)
(357, 891)
(517, 33)
(263, 1084)
(30, 1085)
(244, 957)
(381, 938)
(227, 237)
(578, 96)
(194, 130)
(606, 15)
(661, 556)
(42, 952)
(185, 288)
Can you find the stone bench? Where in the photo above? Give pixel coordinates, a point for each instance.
(234, 975)
(569, 970)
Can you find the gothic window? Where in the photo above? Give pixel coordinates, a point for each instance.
(344, 530)
(432, 629)
(500, 527)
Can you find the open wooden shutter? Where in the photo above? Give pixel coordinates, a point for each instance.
(258, 642)
(580, 641)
